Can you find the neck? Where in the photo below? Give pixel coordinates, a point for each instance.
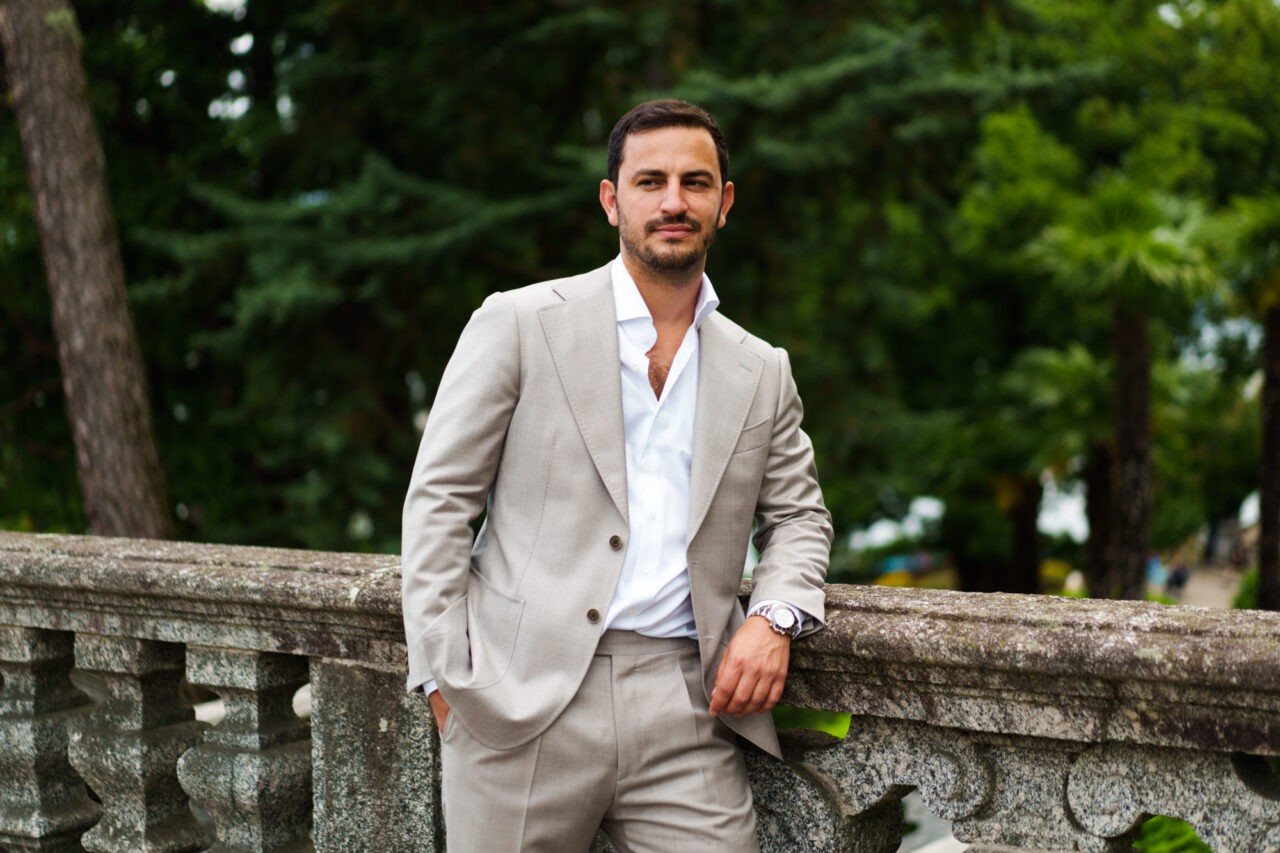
(670, 295)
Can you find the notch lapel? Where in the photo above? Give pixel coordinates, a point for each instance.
(728, 375)
(582, 333)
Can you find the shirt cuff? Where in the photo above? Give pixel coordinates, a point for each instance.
(428, 687)
(763, 607)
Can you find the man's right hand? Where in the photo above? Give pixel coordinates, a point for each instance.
(440, 708)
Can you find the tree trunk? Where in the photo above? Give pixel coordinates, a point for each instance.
(1025, 566)
(1133, 495)
(102, 372)
(1269, 488)
(1099, 579)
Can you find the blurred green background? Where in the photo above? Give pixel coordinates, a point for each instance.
(313, 196)
(944, 212)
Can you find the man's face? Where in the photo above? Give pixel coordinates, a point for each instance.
(669, 201)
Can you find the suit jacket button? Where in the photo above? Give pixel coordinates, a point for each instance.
(615, 542)
(593, 616)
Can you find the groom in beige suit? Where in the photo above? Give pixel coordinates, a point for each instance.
(586, 655)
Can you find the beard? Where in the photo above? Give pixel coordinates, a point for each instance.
(670, 260)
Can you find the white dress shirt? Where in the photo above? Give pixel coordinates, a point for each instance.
(652, 596)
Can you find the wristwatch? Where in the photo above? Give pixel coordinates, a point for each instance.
(781, 619)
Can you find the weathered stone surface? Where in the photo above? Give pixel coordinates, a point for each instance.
(127, 747)
(1233, 802)
(1027, 808)
(294, 602)
(44, 805)
(1013, 793)
(882, 759)
(375, 758)
(1001, 793)
(1045, 666)
(800, 806)
(1033, 723)
(252, 771)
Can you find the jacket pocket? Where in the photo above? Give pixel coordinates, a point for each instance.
(493, 623)
(475, 637)
(754, 436)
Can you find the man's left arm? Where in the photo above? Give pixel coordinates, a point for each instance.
(793, 536)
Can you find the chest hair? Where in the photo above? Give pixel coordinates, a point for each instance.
(659, 366)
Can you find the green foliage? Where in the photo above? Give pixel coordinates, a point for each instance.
(1247, 595)
(831, 722)
(1064, 402)
(308, 221)
(1206, 437)
(1169, 835)
(155, 136)
(1125, 243)
(1022, 179)
(1250, 239)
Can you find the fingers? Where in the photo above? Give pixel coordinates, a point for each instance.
(752, 672)
(776, 693)
(727, 678)
(752, 694)
(748, 688)
(440, 708)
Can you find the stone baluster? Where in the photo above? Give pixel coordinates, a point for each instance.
(804, 803)
(1001, 793)
(44, 805)
(376, 760)
(1006, 793)
(1232, 801)
(252, 771)
(128, 747)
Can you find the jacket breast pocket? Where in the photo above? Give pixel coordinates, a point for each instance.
(754, 436)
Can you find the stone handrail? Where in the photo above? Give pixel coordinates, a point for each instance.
(1033, 723)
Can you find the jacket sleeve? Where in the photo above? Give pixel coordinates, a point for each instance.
(793, 527)
(455, 468)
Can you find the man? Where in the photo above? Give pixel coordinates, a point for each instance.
(587, 657)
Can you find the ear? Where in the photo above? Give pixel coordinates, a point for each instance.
(726, 202)
(609, 201)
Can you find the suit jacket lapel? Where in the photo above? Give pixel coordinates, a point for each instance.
(582, 333)
(728, 375)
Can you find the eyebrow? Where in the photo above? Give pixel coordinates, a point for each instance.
(658, 173)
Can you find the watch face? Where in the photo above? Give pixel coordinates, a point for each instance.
(784, 618)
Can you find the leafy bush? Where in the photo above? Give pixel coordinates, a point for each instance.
(1169, 835)
(1247, 596)
(831, 722)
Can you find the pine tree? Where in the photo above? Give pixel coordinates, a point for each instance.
(102, 371)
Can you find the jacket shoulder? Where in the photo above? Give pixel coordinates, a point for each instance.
(752, 343)
(532, 297)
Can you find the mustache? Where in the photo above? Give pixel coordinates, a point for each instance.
(680, 219)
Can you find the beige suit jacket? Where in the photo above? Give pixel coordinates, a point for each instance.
(527, 423)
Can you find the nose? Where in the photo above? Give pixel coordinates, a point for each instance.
(673, 200)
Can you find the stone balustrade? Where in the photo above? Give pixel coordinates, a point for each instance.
(1032, 723)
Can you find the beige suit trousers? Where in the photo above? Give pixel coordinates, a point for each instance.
(635, 753)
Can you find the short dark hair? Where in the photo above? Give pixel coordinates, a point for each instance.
(668, 112)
